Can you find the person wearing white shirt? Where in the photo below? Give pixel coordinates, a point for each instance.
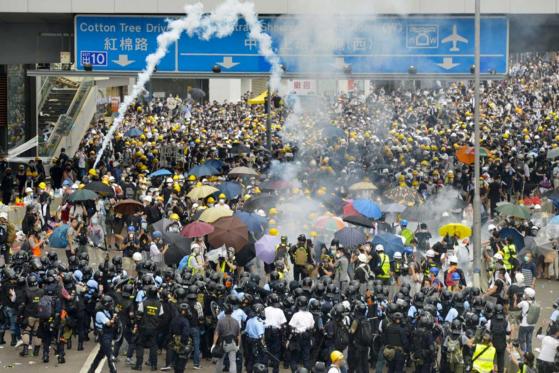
(301, 323)
(274, 322)
(526, 330)
(546, 358)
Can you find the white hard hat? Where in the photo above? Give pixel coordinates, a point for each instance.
(363, 258)
(28, 190)
(379, 248)
(4, 215)
(430, 253)
(137, 257)
(498, 256)
(169, 180)
(519, 277)
(397, 255)
(453, 259)
(529, 293)
(491, 227)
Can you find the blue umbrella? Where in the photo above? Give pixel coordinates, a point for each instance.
(203, 170)
(367, 208)
(517, 237)
(133, 132)
(215, 163)
(554, 220)
(350, 237)
(254, 222)
(230, 189)
(391, 243)
(161, 172)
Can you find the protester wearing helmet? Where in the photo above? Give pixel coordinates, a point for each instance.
(381, 265)
(530, 314)
(300, 257)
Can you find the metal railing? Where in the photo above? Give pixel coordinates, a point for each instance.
(65, 122)
(46, 86)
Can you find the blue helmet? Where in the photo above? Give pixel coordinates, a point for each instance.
(403, 223)
(157, 234)
(131, 229)
(78, 275)
(408, 250)
(455, 276)
(92, 284)
(434, 270)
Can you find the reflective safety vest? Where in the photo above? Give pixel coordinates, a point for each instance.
(483, 361)
(428, 266)
(385, 266)
(509, 251)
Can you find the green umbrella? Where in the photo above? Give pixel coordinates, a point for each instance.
(517, 211)
(83, 195)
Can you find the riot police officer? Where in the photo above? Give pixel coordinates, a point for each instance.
(105, 324)
(149, 312)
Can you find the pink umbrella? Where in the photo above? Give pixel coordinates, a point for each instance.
(197, 229)
(266, 248)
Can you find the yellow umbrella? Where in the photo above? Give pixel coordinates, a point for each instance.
(363, 185)
(455, 230)
(258, 100)
(201, 192)
(214, 213)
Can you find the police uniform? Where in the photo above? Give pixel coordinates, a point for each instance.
(106, 332)
(302, 323)
(254, 352)
(274, 322)
(151, 310)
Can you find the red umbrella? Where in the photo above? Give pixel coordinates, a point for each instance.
(349, 210)
(532, 201)
(229, 231)
(197, 229)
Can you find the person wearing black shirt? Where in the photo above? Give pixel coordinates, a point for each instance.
(495, 194)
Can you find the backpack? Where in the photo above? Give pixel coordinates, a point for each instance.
(341, 336)
(533, 314)
(59, 237)
(454, 351)
(45, 309)
(301, 256)
(504, 295)
(364, 333)
(3, 234)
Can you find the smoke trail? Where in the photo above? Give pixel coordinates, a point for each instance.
(220, 23)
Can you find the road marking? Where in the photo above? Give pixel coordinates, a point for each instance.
(90, 359)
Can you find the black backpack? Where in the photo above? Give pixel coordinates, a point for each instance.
(498, 331)
(364, 333)
(341, 336)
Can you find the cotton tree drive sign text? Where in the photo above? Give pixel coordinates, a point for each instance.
(381, 45)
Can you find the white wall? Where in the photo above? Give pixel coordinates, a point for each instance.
(285, 6)
(225, 89)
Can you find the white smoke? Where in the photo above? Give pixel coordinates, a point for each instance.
(220, 23)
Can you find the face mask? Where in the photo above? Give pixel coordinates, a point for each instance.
(526, 258)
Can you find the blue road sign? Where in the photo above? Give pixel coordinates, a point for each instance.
(382, 45)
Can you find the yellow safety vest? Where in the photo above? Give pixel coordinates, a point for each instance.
(385, 266)
(483, 361)
(508, 252)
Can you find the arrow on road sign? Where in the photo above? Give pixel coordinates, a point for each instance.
(447, 63)
(123, 60)
(228, 63)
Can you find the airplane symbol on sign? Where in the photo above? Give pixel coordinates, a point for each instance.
(454, 38)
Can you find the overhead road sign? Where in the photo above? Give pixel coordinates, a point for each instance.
(382, 46)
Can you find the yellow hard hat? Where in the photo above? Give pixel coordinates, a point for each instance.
(211, 200)
(271, 222)
(273, 232)
(175, 177)
(336, 356)
(273, 211)
(222, 196)
(191, 178)
(174, 217)
(42, 186)
(246, 197)
(92, 172)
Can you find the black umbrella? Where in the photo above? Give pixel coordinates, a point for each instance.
(197, 94)
(174, 254)
(246, 254)
(162, 225)
(359, 220)
(100, 188)
(178, 243)
(239, 149)
(262, 201)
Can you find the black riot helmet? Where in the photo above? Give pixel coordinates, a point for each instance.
(107, 302)
(302, 302)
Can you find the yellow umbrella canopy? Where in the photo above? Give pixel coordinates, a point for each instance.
(363, 185)
(201, 192)
(455, 230)
(214, 213)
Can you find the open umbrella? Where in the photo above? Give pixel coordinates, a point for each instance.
(395, 208)
(254, 222)
(261, 201)
(128, 207)
(517, 211)
(230, 189)
(197, 229)
(350, 237)
(553, 153)
(455, 230)
(276, 185)
(201, 192)
(532, 201)
(213, 213)
(466, 154)
(367, 208)
(83, 195)
(246, 254)
(215, 163)
(363, 185)
(162, 224)
(197, 94)
(160, 172)
(391, 243)
(359, 220)
(349, 210)
(515, 235)
(554, 220)
(229, 231)
(239, 149)
(202, 170)
(266, 248)
(177, 250)
(133, 132)
(243, 171)
(329, 223)
(100, 188)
